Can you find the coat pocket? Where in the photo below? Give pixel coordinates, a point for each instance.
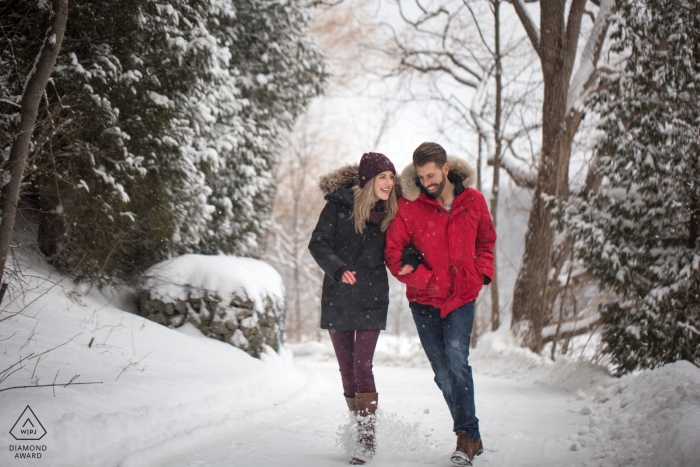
(439, 285)
(372, 288)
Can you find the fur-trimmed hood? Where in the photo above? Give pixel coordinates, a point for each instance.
(411, 186)
(345, 176)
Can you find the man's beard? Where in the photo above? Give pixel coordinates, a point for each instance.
(440, 187)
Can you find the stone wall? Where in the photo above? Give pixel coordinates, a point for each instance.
(236, 319)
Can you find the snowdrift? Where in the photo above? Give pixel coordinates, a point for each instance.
(643, 419)
(158, 388)
(163, 391)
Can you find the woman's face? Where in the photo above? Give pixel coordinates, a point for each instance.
(383, 184)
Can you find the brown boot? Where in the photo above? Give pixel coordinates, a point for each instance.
(366, 402)
(352, 404)
(366, 407)
(466, 450)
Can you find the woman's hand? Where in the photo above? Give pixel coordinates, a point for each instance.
(407, 269)
(349, 277)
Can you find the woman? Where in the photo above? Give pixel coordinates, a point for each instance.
(348, 244)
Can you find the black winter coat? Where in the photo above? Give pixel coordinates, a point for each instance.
(335, 245)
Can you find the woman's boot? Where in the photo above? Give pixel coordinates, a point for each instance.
(366, 404)
(352, 404)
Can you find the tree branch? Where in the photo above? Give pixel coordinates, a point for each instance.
(433, 68)
(533, 32)
(52, 385)
(585, 74)
(520, 173)
(573, 29)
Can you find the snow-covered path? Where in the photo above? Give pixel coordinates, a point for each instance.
(522, 424)
(174, 398)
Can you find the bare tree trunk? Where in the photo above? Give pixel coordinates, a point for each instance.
(530, 294)
(557, 48)
(33, 92)
(495, 306)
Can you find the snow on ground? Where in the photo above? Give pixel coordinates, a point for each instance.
(158, 388)
(649, 418)
(174, 398)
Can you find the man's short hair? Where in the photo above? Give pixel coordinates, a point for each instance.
(429, 152)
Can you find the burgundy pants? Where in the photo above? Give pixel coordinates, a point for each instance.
(354, 350)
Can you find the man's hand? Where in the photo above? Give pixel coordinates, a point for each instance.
(407, 269)
(349, 277)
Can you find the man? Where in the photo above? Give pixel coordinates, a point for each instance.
(450, 225)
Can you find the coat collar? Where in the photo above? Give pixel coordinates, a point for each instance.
(342, 197)
(337, 185)
(411, 187)
(460, 193)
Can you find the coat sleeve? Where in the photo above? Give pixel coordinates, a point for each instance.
(411, 257)
(485, 242)
(397, 239)
(321, 242)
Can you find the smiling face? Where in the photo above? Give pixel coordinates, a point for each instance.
(383, 184)
(433, 178)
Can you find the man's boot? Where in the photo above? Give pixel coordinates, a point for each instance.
(466, 449)
(366, 403)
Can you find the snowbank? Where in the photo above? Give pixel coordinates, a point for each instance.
(235, 300)
(497, 354)
(158, 388)
(649, 418)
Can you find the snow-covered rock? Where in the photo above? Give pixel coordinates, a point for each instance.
(236, 300)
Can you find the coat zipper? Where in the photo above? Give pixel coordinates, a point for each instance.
(362, 244)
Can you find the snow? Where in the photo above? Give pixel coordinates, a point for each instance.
(649, 418)
(581, 323)
(175, 398)
(588, 59)
(225, 275)
(157, 386)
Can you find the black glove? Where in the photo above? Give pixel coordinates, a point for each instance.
(487, 280)
(411, 257)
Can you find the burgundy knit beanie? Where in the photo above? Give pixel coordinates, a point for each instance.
(372, 164)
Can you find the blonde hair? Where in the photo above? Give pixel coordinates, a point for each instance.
(364, 200)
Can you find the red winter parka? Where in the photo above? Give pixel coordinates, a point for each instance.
(457, 245)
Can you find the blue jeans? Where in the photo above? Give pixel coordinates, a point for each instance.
(446, 343)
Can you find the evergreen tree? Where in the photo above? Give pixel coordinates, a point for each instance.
(161, 131)
(276, 69)
(640, 232)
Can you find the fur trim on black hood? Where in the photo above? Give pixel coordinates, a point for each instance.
(343, 177)
(410, 185)
(338, 178)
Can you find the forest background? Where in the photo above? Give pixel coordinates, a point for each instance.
(203, 126)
